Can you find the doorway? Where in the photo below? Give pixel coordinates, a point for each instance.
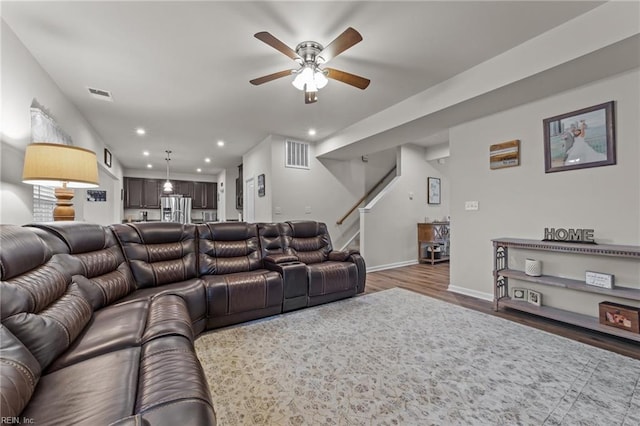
(249, 201)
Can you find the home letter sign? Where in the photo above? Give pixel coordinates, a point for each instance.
(575, 235)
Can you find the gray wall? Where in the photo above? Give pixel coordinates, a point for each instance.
(521, 201)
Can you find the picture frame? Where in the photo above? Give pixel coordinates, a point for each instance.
(433, 190)
(534, 297)
(261, 186)
(107, 157)
(520, 294)
(580, 139)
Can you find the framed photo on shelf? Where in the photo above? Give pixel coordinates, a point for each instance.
(534, 297)
(433, 190)
(520, 294)
(580, 139)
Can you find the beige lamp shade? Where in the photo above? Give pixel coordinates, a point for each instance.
(51, 164)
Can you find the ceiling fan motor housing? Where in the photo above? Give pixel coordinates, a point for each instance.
(308, 51)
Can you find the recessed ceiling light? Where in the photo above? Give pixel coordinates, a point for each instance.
(149, 166)
(312, 132)
(220, 143)
(145, 153)
(207, 160)
(140, 131)
(198, 170)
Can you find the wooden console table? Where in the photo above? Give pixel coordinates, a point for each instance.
(434, 235)
(502, 274)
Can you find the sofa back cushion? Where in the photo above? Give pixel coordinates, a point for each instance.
(273, 238)
(309, 241)
(96, 259)
(228, 247)
(159, 252)
(20, 372)
(40, 306)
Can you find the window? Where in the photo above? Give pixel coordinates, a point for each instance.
(296, 155)
(44, 200)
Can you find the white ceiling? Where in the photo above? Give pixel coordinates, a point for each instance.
(181, 70)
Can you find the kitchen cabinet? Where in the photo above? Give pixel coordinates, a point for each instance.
(141, 193)
(182, 187)
(205, 195)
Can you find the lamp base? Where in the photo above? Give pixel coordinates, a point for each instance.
(64, 207)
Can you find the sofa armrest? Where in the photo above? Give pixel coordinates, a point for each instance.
(339, 256)
(294, 283)
(280, 258)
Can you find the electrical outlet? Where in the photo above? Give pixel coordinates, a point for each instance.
(471, 205)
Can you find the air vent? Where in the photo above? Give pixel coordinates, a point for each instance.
(103, 95)
(296, 155)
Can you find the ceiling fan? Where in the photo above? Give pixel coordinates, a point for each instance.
(310, 55)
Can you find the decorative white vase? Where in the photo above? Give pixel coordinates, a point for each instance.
(533, 267)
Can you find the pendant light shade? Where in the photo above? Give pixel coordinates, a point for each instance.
(168, 186)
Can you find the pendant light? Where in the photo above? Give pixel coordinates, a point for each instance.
(168, 187)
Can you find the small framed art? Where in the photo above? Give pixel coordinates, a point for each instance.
(433, 190)
(107, 157)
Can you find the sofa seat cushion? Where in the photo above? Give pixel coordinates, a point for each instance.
(112, 328)
(127, 325)
(243, 291)
(331, 277)
(97, 391)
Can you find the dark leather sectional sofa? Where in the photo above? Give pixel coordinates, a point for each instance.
(98, 323)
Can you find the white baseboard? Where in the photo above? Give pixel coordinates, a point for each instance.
(472, 293)
(392, 265)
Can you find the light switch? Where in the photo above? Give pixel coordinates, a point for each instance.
(411, 195)
(307, 210)
(471, 205)
(277, 210)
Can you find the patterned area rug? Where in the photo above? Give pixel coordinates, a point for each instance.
(399, 358)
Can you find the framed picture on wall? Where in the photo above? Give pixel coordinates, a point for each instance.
(433, 190)
(107, 157)
(261, 188)
(580, 139)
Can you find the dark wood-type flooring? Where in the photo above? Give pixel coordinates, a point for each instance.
(433, 280)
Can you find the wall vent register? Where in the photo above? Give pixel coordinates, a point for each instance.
(296, 154)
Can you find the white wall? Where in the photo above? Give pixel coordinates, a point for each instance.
(256, 162)
(324, 192)
(24, 80)
(521, 201)
(390, 227)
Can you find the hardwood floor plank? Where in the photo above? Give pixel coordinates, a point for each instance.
(433, 280)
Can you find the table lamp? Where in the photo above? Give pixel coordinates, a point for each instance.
(63, 167)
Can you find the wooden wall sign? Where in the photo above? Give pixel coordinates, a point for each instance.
(506, 154)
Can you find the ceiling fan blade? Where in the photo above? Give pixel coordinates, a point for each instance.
(277, 44)
(270, 77)
(345, 77)
(344, 41)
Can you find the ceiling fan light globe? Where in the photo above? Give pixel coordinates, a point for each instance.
(298, 82)
(320, 79)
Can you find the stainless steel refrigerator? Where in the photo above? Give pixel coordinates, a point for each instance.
(176, 208)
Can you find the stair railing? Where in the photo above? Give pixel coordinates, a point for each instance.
(365, 196)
